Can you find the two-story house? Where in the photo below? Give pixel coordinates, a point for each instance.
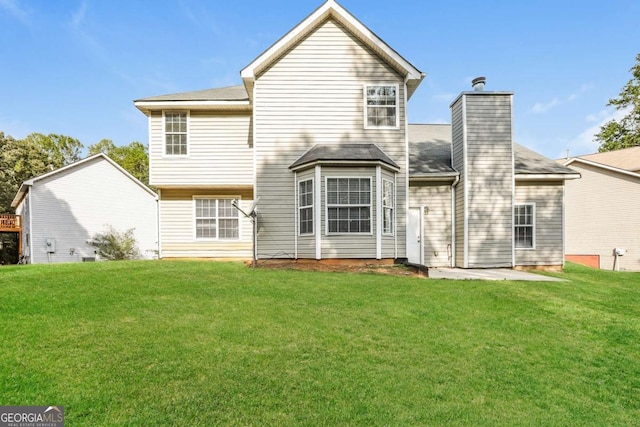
(318, 135)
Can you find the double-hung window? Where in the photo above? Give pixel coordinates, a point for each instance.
(175, 134)
(348, 205)
(305, 206)
(387, 206)
(216, 219)
(524, 226)
(381, 109)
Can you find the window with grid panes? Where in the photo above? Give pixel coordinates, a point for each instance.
(348, 205)
(216, 219)
(305, 206)
(524, 226)
(387, 206)
(381, 106)
(175, 134)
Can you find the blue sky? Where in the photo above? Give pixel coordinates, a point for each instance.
(74, 67)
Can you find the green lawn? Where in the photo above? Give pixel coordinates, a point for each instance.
(200, 343)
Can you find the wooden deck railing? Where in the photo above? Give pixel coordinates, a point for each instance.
(10, 222)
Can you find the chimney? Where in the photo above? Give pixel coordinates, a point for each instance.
(482, 152)
(478, 83)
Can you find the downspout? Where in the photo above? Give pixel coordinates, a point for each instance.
(30, 228)
(406, 173)
(296, 212)
(378, 212)
(454, 184)
(254, 133)
(159, 247)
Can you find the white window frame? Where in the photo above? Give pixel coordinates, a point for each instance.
(305, 207)
(390, 206)
(348, 205)
(532, 226)
(366, 106)
(217, 199)
(164, 132)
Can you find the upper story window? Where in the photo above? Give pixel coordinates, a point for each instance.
(175, 134)
(348, 205)
(381, 109)
(524, 220)
(305, 206)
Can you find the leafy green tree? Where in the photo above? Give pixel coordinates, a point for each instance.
(60, 150)
(625, 133)
(134, 158)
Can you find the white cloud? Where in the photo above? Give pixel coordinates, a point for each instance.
(585, 143)
(77, 17)
(18, 12)
(543, 107)
(539, 107)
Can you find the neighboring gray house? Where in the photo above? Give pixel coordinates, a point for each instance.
(318, 133)
(63, 209)
(603, 212)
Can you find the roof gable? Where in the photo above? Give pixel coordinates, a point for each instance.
(584, 161)
(626, 158)
(100, 156)
(332, 10)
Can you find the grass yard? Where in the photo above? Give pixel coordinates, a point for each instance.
(199, 343)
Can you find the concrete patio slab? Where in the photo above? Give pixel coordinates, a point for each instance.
(488, 274)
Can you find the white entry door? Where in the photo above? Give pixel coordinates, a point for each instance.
(414, 236)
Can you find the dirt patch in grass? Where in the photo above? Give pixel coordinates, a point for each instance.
(345, 266)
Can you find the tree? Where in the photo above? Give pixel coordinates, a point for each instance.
(60, 150)
(615, 135)
(35, 155)
(134, 158)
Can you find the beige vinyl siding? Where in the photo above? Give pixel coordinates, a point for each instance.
(457, 153)
(490, 181)
(313, 95)
(603, 213)
(547, 198)
(436, 236)
(220, 151)
(74, 205)
(486, 179)
(177, 225)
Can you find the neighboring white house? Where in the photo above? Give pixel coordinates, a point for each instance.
(62, 210)
(603, 210)
(318, 133)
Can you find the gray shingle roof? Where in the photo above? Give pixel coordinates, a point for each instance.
(229, 93)
(528, 162)
(429, 150)
(430, 154)
(343, 152)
